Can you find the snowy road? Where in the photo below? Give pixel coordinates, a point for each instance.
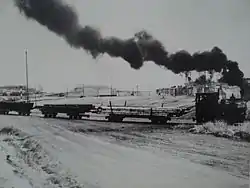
(45, 153)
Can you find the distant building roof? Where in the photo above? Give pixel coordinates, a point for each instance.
(12, 87)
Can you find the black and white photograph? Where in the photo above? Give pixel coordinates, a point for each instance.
(124, 94)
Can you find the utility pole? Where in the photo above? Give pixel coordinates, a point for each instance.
(137, 90)
(27, 79)
(98, 92)
(83, 90)
(111, 91)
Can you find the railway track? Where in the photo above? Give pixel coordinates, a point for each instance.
(101, 119)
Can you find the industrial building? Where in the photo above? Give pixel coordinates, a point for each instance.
(15, 90)
(102, 90)
(93, 91)
(191, 88)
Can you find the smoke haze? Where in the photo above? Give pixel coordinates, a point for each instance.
(62, 19)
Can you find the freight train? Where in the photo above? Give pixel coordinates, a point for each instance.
(157, 115)
(22, 108)
(208, 107)
(74, 111)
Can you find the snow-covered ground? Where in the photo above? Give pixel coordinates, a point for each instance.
(55, 153)
(222, 129)
(8, 176)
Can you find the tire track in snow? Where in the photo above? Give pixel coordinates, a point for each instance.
(28, 157)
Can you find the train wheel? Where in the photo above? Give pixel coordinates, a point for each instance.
(99, 110)
(115, 119)
(110, 118)
(119, 119)
(154, 121)
(163, 121)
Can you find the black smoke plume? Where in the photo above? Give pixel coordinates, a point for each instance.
(62, 19)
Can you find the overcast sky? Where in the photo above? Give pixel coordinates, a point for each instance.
(180, 24)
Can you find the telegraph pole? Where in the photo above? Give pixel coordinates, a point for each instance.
(111, 91)
(137, 90)
(98, 92)
(83, 90)
(27, 77)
